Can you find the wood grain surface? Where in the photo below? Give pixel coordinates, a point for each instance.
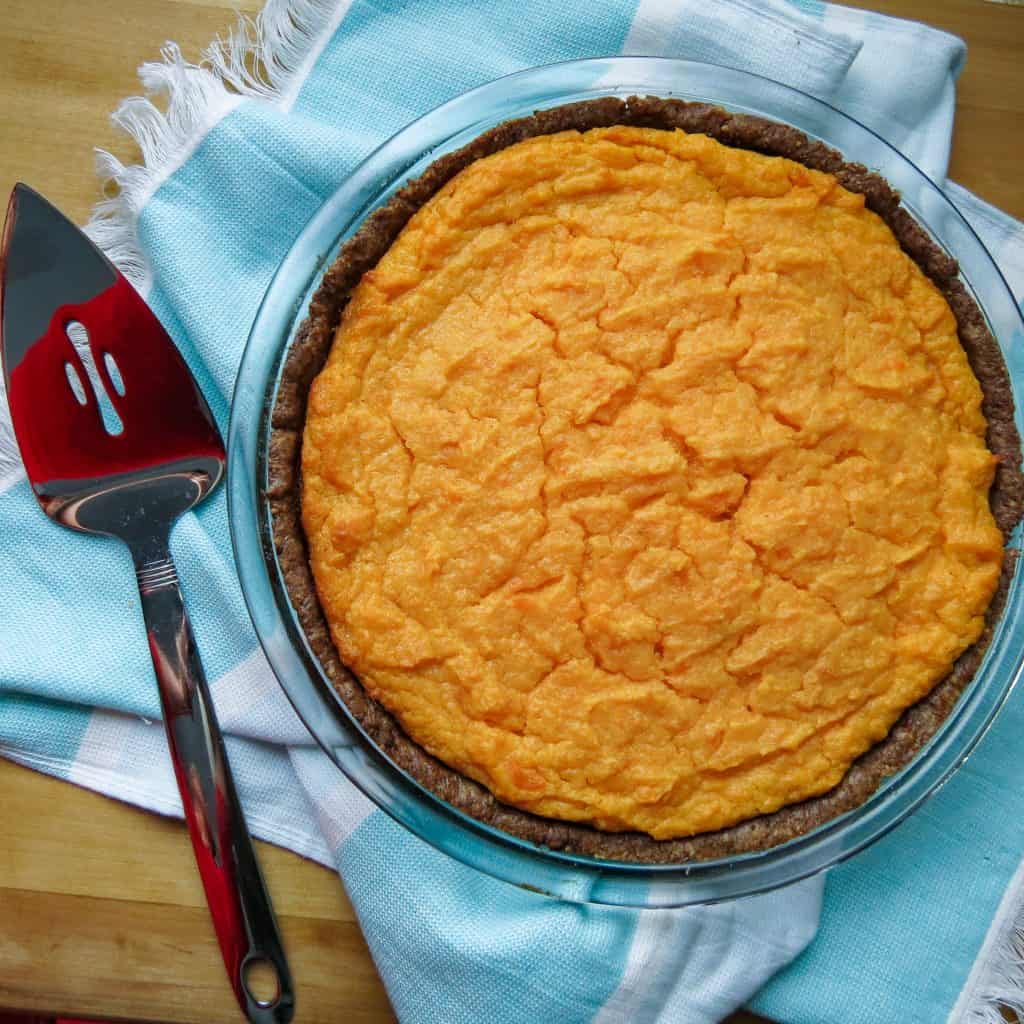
(101, 911)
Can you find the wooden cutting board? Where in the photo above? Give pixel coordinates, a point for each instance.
(101, 912)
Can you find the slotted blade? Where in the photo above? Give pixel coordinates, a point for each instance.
(51, 276)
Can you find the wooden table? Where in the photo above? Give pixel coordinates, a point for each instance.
(101, 912)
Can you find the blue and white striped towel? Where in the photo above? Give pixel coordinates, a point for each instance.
(919, 925)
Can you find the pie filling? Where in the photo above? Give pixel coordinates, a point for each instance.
(646, 480)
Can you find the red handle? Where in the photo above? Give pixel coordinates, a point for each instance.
(235, 891)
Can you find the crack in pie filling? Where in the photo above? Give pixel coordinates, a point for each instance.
(646, 482)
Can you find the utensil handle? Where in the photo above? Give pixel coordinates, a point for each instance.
(235, 891)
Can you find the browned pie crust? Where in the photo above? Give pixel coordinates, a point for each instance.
(310, 349)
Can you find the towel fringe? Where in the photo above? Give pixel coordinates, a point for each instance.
(996, 980)
(265, 58)
(10, 459)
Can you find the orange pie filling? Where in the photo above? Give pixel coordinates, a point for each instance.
(646, 481)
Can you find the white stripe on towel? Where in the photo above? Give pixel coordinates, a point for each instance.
(997, 977)
(650, 949)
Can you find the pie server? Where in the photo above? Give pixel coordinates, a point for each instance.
(131, 480)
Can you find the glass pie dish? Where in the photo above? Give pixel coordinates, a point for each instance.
(556, 872)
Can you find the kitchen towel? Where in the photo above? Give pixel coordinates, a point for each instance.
(920, 928)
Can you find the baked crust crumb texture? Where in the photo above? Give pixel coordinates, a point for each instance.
(647, 479)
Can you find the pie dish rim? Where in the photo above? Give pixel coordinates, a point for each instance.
(575, 857)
